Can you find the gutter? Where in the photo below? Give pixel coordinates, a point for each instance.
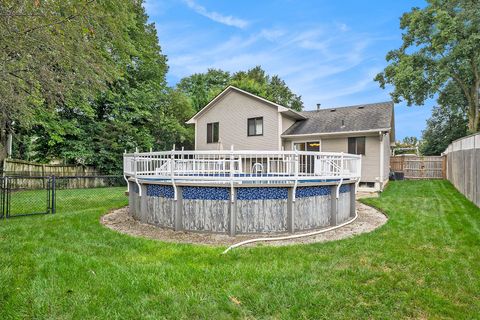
(333, 133)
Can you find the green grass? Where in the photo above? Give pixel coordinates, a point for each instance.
(35, 201)
(424, 263)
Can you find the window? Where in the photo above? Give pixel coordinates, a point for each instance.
(307, 146)
(255, 126)
(356, 145)
(212, 132)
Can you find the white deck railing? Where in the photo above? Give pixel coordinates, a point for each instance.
(242, 166)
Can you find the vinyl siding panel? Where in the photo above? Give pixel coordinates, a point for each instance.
(386, 157)
(286, 123)
(334, 145)
(232, 112)
(370, 161)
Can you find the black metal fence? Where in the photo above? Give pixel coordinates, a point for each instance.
(25, 195)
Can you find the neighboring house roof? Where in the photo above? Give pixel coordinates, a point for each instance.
(359, 118)
(284, 110)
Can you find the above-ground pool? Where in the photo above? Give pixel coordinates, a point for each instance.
(251, 208)
(238, 196)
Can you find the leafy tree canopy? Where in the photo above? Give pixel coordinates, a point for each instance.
(409, 145)
(447, 123)
(58, 53)
(201, 88)
(441, 45)
(127, 108)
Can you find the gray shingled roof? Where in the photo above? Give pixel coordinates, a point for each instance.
(355, 118)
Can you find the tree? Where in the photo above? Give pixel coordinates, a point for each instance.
(444, 126)
(441, 47)
(408, 145)
(135, 109)
(58, 54)
(201, 88)
(447, 123)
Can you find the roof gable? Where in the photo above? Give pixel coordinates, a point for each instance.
(365, 117)
(284, 110)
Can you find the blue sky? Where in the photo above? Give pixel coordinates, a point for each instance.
(326, 51)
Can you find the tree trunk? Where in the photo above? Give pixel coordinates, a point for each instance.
(3, 140)
(473, 111)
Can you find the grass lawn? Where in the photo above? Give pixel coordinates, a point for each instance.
(424, 263)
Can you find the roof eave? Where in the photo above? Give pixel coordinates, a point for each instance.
(293, 114)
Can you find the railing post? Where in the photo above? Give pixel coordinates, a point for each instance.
(135, 172)
(296, 169)
(172, 173)
(232, 207)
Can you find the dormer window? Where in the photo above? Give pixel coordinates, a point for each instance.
(255, 126)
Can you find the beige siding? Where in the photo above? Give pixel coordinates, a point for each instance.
(370, 161)
(334, 145)
(286, 123)
(232, 112)
(386, 157)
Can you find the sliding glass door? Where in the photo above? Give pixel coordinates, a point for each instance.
(307, 163)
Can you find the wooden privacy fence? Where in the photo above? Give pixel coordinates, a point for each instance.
(463, 166)
(415, 167)
(31, 175)
(32, 169)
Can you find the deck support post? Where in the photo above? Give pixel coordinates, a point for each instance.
(334, 205)
(178, 209)
(290, 211)
(143, 200)
(232, 210)
(353, 187)
(131, 198)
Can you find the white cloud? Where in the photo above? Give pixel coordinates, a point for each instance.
(215, 16)
(317, 62)
(343, 27)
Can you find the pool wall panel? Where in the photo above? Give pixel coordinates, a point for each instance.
(266, 209)
(262, 215)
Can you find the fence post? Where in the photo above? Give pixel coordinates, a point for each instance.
(444, 167)
(2, 196)
(54, 194)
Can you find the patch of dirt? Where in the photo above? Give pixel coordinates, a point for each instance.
(119, 220)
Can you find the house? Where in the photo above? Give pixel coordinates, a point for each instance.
(248, 122)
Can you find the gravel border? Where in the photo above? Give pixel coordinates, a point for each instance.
(119, 220)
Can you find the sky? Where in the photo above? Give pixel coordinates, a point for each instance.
(326, 51)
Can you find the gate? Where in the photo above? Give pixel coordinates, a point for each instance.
(23, 196)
